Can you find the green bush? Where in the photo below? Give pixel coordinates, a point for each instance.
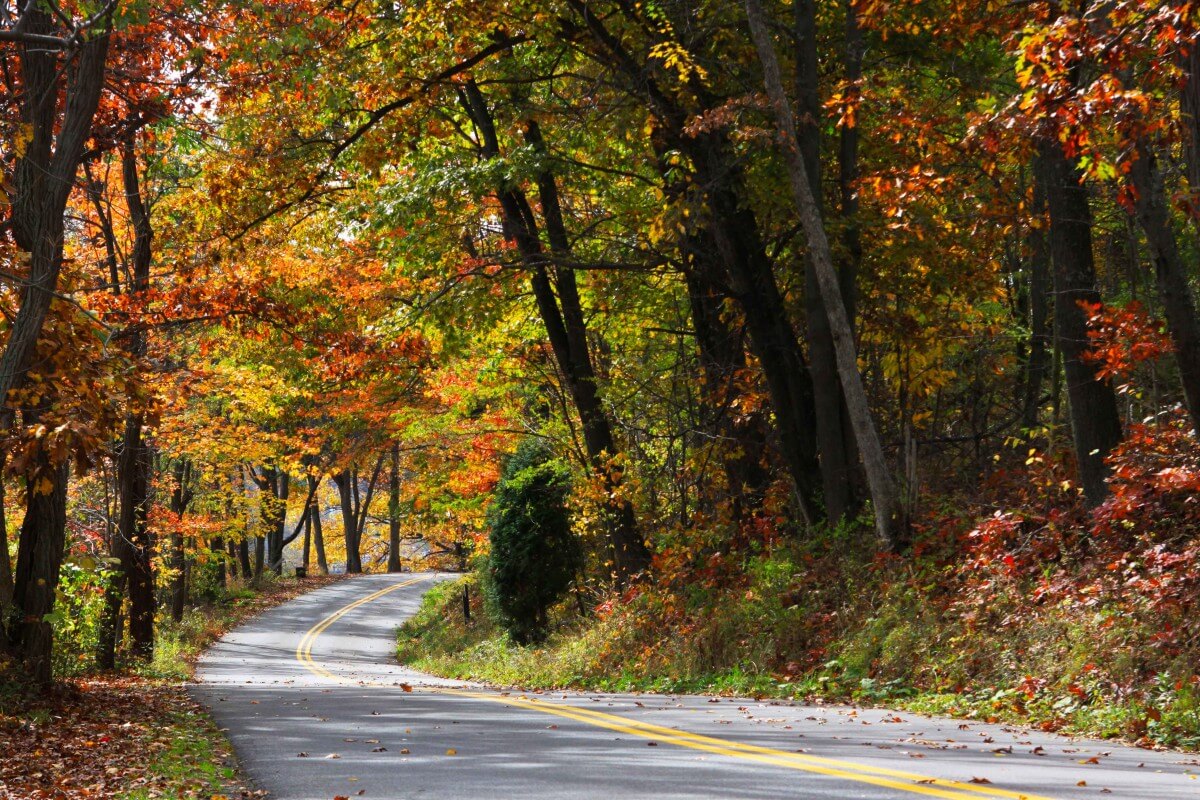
(534, 555)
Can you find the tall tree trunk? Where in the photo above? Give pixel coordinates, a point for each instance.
(111, 622)
(134, 463)
(217, 545)
(1171, 274)
(346, 482)
(1037, 364)
(1190, 106)
(39, 557)
(315, 519)
(260, 555)
(566, 331)
(44, 174)
(1095, 422)
(243, 554)
(831, 426)
(722, 360)
(739, 247)
(890, 519)
(133, 478)
(6, 571)
(850, 258)
(307, 550)
(43, 178)
(274, 486)
(181, 498)
(393, 564)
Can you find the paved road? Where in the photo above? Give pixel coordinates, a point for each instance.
(317, 708)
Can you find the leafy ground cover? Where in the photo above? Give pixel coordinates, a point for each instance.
(132, 736)
(954, 631)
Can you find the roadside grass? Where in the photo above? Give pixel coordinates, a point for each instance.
(881, 639)
(196, 762)
(178, 644)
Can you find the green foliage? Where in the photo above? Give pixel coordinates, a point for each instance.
(78, 605)
(534, 554)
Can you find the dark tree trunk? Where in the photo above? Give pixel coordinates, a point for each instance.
(738, 243)
(722, 361)
(307, 550)
(243, 554)
(393, 564)
(6, 571)
(773, 340)
(891, 523)
(133, 479)
(260, 555)
(565, 328)
(831, 425)
(274, 488)
(1037, 364)
(1171, 275)
(134, 462)
(181, 498)
(45, 174)
(1095, 421)
(217, 545)
(315, 518)
(111, 622)
(1190, 105)
(347, 482)
(42, 181)
(39, 557)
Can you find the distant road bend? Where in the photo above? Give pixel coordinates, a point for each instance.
(317, 708)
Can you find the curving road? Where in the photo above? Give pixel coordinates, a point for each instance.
(317, 708)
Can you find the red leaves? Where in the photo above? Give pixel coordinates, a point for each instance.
(1122, 338)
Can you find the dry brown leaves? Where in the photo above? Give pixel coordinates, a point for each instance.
(96, 738)
(102, 737)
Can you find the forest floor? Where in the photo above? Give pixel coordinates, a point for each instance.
(884, 641)
(133, 735)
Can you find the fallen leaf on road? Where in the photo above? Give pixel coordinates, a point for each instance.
(333, 755)
(927, 780)
(404, 751)
(406, 687)
(379, 750)
(1082, 783)
(451, 752)
(980, 780)
(301, 755)
(1092, 760)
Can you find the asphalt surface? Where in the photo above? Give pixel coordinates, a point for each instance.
(317, 708)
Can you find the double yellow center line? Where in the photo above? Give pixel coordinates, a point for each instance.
(838, 768)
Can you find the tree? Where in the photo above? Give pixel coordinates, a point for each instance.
(891, 522)
(534, 555)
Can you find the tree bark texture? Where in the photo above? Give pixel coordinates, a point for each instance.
(1095, 421)
(890, 519)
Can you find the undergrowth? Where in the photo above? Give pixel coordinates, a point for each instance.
(935, 632)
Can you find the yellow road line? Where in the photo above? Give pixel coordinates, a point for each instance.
(304, 648)
(849, 770)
